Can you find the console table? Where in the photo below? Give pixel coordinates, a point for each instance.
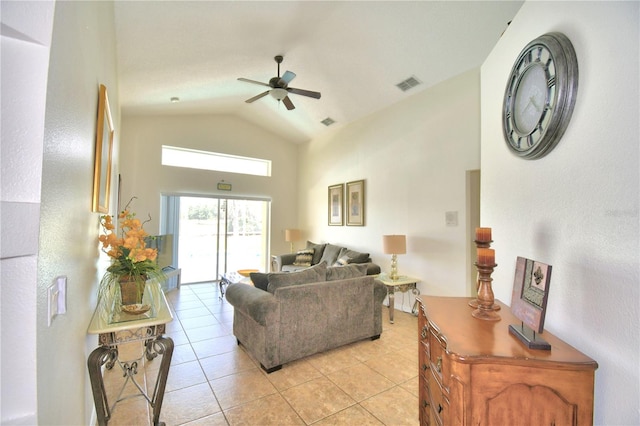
(474, 372)
(402, 284)
(144, 328)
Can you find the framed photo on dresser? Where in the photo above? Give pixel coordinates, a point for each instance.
(531, 292)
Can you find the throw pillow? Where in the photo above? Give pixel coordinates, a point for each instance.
(310, 275)
(260, 280)
(318, 250)
(354, 270)
(342, 261)
(331, 254)
(356, 256)
(304, 257)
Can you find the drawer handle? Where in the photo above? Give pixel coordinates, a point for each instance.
(425, 403)
(425, 367)
(439, 364)
(440, 408)
(424, 332)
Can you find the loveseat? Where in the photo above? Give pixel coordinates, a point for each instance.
(283, 316)
(313, 254)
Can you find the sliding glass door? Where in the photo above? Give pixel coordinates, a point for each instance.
(216, 235)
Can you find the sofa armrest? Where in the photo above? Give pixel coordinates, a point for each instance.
(373, 268)
(258, 304)
(380, 291)
(277, 262)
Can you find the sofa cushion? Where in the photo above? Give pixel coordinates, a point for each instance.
(260, 280)
(304, 257)
(349, 271)
(314, 274)
(331, 254)
(317, 253)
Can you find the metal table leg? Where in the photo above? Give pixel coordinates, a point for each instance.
(392, 303)
(97, 359)
(108, 355)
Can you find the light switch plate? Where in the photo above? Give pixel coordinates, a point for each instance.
(57, 297)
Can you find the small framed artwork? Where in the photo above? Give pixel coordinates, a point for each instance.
(336, 204)
(355, 203)
(531, 292)
(104, 148)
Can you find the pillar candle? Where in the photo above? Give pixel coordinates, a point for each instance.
(486, 256)
(483, 234)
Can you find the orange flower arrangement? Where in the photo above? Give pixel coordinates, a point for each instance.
(131, 259)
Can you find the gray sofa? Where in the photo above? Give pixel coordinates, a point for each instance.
(331, 254)
(305, 312)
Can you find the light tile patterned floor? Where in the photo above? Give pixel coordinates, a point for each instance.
(213, 381)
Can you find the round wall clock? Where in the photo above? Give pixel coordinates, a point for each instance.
(540, 96)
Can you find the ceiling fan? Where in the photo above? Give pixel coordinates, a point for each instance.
(279, 87)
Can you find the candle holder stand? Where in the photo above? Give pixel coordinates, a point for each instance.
(485, 310)
(474, 303)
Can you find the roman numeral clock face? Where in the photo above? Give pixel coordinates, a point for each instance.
(540, 96)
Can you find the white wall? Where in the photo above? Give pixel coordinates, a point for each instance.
(576, 208)
(82, 57)
(25, 61)
(144, 176)
(414, 157)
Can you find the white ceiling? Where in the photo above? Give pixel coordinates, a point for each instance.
(353, 52)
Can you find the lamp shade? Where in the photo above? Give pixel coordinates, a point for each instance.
(394, 244)
(291, 235)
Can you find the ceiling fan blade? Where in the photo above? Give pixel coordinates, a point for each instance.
(255, 98)
(287, 102)
(288, 76)
(302, 92)
(253, 81)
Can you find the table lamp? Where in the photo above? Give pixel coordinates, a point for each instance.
(291, 235)
(394, 245)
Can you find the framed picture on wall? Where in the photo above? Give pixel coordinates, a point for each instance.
(104, 148)
(355, 203)
(336, 204)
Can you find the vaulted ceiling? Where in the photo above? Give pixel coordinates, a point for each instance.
(353, 52)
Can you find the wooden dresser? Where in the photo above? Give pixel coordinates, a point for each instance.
(473, 372)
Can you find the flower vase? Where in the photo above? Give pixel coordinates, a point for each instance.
(132, 296)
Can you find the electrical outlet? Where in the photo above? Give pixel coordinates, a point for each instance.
(57, 297)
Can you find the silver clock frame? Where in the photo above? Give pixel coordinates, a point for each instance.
(562, 89)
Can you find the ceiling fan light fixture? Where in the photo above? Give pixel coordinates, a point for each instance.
(279, 94)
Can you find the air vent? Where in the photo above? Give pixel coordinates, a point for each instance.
(328, 121)
(408, 83)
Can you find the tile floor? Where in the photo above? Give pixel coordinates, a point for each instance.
(213, 381)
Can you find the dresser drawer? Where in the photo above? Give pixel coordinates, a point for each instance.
(423, 357)
(439, 363)
(425, 409)
(438, 404)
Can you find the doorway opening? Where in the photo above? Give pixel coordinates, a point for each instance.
(215, 235)
(473, 215)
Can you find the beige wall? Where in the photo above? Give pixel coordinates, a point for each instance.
(82, 57)
(414, 157)
(577, 208)
(144, 176)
